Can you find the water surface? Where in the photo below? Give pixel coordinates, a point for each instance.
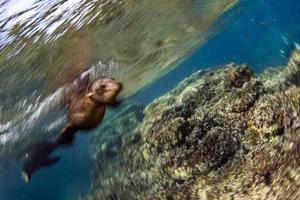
(136, 42)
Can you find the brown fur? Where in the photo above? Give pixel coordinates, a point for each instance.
(85, 103)
(86, 109)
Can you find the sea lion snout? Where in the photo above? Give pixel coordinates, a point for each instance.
(120, 86)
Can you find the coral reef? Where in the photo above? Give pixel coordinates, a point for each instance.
(223, 133)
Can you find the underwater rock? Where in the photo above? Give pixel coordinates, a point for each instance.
(220, 134)
(106, 143)
(280, 78)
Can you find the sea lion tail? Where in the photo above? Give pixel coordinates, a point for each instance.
(38, 156)
(25, 176)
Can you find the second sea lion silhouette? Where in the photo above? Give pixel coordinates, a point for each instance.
(85, 103)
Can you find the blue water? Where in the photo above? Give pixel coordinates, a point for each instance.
(262, 36)
(66, 180)
(256, 37)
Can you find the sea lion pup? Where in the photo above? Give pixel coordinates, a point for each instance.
(85, 110)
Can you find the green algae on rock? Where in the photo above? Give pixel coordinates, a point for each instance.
(220, 134)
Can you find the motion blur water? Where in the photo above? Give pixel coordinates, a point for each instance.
(136, 42)
(45, 44)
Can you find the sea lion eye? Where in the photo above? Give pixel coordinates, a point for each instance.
(102, 87)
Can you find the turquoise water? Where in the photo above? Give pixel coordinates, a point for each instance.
(261, 35)
(68, 179)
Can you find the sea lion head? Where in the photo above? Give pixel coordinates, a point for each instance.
(104, 90)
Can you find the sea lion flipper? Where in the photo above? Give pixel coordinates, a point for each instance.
(115, 103)
(38, 156)
(66, 137)
(52, 160)
(77, 88)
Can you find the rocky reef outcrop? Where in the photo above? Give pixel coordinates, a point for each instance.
(223, 133)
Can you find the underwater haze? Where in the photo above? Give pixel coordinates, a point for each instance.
(210, 106)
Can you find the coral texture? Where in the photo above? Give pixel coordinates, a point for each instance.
(224, 133)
